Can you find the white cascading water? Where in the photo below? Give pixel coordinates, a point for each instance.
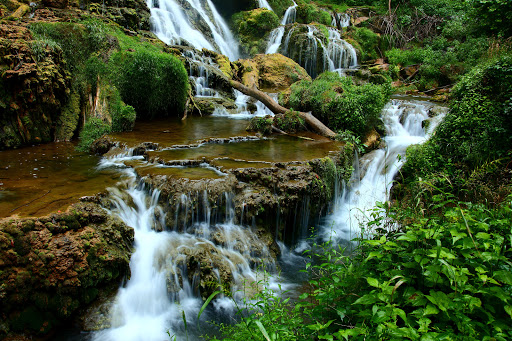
(264, 4)
(276, 36)
(173, 25)
(342, 18)
(338, 55)
(290, 16)
(372, 184)
(151, 304)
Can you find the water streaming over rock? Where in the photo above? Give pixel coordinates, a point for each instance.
(290, 16)
(193, 22)
(341, 19)
(307, 45)
(264, 4)
(169, 269)
(373, 175)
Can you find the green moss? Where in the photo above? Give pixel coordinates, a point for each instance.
(290, 122)
(161, 77)
(261, 124)
(253, 26)
(280, 6)
(367, 40)
(309, 13)
(68, 121)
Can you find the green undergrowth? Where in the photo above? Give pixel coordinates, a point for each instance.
(339, 103)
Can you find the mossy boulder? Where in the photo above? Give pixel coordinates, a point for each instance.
(54, 265)
(252, 27)
(130, 14)
(273, 71)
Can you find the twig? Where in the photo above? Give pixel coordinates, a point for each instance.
(14, 209)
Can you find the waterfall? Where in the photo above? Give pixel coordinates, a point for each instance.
(371, 183)
(197, 23)
(342, 18)
(290, 16)
(264, 4)
(275, 39)
(276, 36)
(338, 55)
(167, 267)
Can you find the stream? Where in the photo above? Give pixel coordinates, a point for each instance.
(208, 239)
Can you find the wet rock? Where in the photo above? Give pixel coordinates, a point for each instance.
(51, 266)
(33, 91)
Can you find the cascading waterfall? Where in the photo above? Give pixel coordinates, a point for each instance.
(199, 74)
(290, 16)
(275, 40)
(372, 183)
(264, 4)
(199, 25)
(338, 55)
(162, 287)
(276, 36)
(343, 19)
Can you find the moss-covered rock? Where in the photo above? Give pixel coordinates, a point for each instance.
(131, 14)
(252, 27)
(52, 266)
(273, 71)
(34, 83)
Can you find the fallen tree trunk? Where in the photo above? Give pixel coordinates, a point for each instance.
(273, 106)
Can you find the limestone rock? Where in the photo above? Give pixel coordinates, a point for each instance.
(53, 265)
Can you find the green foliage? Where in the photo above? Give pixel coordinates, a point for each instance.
(476, 130)
(261, 124)
(290, 122)
(340, 104)
(368, 40)
(92, 130)
(154, 83)
(308, 13)
(493, 16)
(441, 277)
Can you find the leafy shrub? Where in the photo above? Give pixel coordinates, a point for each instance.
(340, 104)
(92, 130)
(368, 40)
(154, 83)
(493, 16)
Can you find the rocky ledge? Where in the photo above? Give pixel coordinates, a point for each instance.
(54, 265)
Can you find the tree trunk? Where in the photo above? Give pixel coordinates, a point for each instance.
(273, 106)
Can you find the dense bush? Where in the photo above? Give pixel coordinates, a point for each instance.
(368, 40)
(154, 83)
(340, 104)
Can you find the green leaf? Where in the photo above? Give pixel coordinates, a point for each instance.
(503, 276)
(508, 309)
(262, 330)
(367, 299)
(208, 300)
(373, 282)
